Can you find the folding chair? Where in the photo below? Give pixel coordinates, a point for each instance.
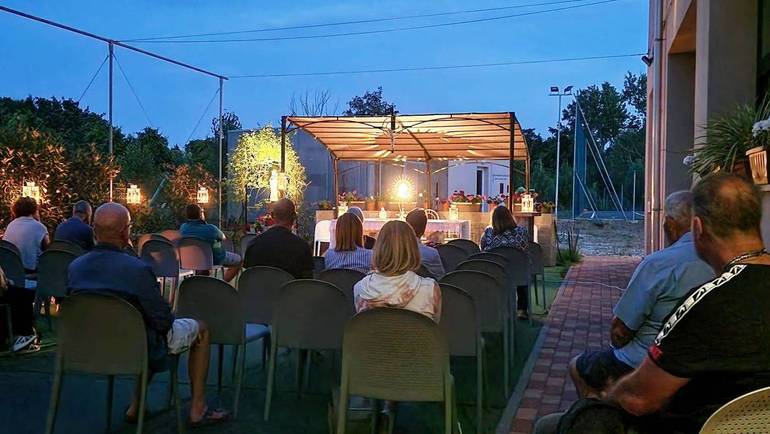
(52, 278)
(343, 279)
(164, 260)
(196, 254)
(246, 239)
(535, 252)
(469, 246)
(67, 246)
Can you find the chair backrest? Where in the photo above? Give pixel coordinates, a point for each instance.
(172, 235)
(52, 272)
(432, 214)
(535, 252)
(101, 334)
(319, 265)
(422, 271)
(492, 268)
(311, 314)
(195, 254)
(396, 355)
(246, 239)
(140, 242)
(162, 257)
(487, 294)
(228, 245)
(489, 256)
(65, 245)
(10, 262)
(323, 231)
(469, 246)
(747, 413)
(460, 321)
(11, 246)
(217, 304)
(259, 288)
(518, 264)
(451, 256)
(342, 278)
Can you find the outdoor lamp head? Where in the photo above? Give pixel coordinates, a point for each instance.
(554, 89)
(568, 90)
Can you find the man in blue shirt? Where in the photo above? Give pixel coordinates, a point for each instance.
(429, 256)
(76, 229)
(197, 227)
(107, 269)
(657, 286)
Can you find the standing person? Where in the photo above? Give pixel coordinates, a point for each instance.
(505, 232)
(279, 247)
(77, 229)
(394, 282)
(27, 233)
(418, 220)
(715, 345)
(349, 251)
(196, 226)
(107, 269)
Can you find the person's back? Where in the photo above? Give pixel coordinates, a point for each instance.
(429, 256)
(196, 226)
(27, 233)
(76, 228)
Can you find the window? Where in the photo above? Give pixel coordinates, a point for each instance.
(479, 181)
(502, 188)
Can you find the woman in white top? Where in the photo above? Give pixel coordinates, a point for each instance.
(394, 282)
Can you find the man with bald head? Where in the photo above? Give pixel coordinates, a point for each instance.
(279, 247)
(107, 269)
(660, 281)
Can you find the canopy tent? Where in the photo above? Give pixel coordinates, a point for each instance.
(425, 137)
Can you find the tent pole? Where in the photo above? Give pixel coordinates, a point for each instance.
(527, 173)
(428, 187)
(109, 115)
(221, 138)
(511, 157)
(335, 169)
(283, 144)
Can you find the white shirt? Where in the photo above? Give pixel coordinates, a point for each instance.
(27, 234)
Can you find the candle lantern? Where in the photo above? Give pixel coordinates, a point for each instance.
(203, 195)
(527, 203)
(30, 189)
(133, 195)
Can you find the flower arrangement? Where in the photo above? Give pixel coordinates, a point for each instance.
(324, 205)
(461, 197)
(760, 131)
(546, 207)
(350, 196)
(263, 222)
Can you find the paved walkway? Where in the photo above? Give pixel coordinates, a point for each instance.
(579, 320)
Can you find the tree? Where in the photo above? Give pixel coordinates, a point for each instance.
(88, 174)
(230, 121)
(371, 104)
(317, 103)
(147, 159)
(203, 152)
(184, 183)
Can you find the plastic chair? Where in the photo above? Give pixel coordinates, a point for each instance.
(218, 304)
(172, 235)
(310, 315)
(246, 239)
(196, 254)
(343, 279)
(142, 240)
(423, 272)
(451, 256)
(164, 260)
(10, 262)
(535, 252)
(11, 246)
(469, 246)
(432, 214)
(491, 303)
(228, 245)
(488, 256)
(319, 265)
(52, 278)
(322, 235)
(65, 245)
(518, 269)
(259, 288)
(461, 324)
(749, 413)
(395, 355)
(117, 347)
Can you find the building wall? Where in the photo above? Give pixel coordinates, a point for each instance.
(465, 177)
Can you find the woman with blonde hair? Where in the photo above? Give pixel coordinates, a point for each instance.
(394, 282)
(349, 251)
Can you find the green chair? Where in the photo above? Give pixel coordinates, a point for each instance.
(395, 355)
(469, 246)
(451, 256)
(117, 347)
(342, 278)
(52, 278)
(461, 325)
(489, 256)
(535, 252)
(519, 266)
(10, 262)
(65, 245)
(309, 315)
(749, 413)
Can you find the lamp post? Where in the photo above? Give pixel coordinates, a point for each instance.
(555, 92)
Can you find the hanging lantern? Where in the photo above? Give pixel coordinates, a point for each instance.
(202, 195)
(133, 195)
(29, 189)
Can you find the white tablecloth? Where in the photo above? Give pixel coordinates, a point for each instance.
(451, 229)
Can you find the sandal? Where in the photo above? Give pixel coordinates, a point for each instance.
(133, 420)
(207, 418)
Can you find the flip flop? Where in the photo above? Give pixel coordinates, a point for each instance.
(132, 420)
(207, 420)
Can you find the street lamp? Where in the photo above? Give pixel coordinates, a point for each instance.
(555, 92)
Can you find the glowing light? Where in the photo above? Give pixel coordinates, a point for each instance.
(403, 189)
(29, 189)
(133, 194)
(202, 195)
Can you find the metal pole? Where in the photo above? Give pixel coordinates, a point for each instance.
(335, 169)
(109, 113)
(511, 154)
(633, 199)
(221, 139)
(558, 157)
(283, 144)
(428, 188)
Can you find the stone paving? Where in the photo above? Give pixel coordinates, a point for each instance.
(579, 319)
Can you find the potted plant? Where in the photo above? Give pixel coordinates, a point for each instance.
(371, 204)
(351, 198)
(547, 207)
(466, 202)
(325, 205)
(730, 142)
(758, 155)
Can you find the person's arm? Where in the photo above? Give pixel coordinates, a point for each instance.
(637, 301)
(620, 334)
(646, 390)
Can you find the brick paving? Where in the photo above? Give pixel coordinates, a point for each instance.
(579, 319)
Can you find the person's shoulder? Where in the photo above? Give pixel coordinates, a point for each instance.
(489, 230)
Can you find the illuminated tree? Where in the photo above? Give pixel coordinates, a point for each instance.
(183, 184)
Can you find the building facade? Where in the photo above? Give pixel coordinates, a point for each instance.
(705, 57)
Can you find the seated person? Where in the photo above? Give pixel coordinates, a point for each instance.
(505, 232)
(431, 260)
(77, 229)
(279, 247)
(106, 269)
(196, 226)
(659, 283)
(394, 282)
(348, 251)
(713, 347)
(368, 241)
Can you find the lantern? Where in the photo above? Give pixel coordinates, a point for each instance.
(29, 189)
(203, 195)
(454, 213)
(133, 194)
(527, 203)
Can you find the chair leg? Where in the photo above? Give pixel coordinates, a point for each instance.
(142, 401)
(54, 406)
(110, 389)
(506, 363)
(235, 361)
(342, 408)
(534, 281)
(221, 355)
(270, 381)
(177, 398)
(479, 391)
(375, 416)
(542, 288)
(239, 380)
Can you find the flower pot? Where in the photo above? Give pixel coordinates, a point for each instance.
(371, 205)
(758, 162)
(359, 203)
(468, 207)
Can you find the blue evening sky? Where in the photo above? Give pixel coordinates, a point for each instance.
(42, 61)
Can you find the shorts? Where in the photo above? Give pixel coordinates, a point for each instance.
(231, 259)
(183, 334)
(601, 367)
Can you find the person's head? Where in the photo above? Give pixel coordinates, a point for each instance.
(82, 210)
(193, 211)
(349, 233)
(24, 207)
(726, 214)
(678, 215)
(395, 251)
(283, 213)
(417, 219)
(112, 224)
(502, 219)
(356, 211)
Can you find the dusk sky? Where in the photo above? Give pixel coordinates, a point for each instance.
(39, 60)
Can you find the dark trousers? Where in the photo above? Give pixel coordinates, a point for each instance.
(22, 316)
(522, 297)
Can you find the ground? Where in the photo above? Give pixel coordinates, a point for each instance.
(606, 237)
